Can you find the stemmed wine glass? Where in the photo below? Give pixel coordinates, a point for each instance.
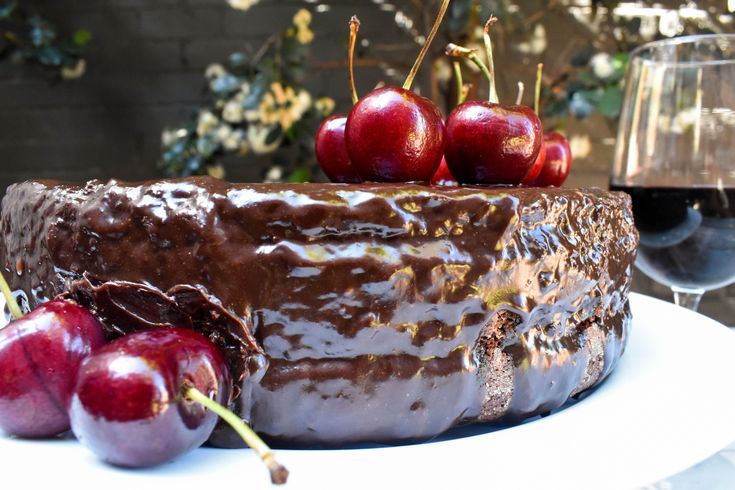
(675, 156)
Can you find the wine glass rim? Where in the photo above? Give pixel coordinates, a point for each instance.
(636, 53)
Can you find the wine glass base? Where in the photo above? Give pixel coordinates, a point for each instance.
(687, 298)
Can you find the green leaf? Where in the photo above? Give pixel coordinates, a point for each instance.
(82, 37)
(302, 174)
(610, 102)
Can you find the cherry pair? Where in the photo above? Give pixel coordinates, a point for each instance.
(391, 134)
(394, 135)
(140, 400)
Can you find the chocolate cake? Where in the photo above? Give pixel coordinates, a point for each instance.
(366, 312)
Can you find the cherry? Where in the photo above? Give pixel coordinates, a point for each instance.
(40, 354)
(329, 144)
(541, 158)
(555, 160)
(443, 176)
(394, 135)
(537, 166)
(558, 161)
(490, 143)
(487, 142)
(153, 395)
(331, 151)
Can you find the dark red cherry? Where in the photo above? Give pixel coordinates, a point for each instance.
(558, 161)
(490, 143)
(331, 151)
(40, 355)
(537, 166)
(151, 396)
(443, 176)
(129, 406)
(394, 135)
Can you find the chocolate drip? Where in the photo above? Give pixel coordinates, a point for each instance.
(125, 307)
(369, 312)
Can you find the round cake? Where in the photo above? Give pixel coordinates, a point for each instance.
(348, 313)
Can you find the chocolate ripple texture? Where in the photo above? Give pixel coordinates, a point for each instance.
(348, 313)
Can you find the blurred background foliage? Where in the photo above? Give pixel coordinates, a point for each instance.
(586, 79)
(27, 36)
(258, 105)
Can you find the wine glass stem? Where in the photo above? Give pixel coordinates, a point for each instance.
(687, 298)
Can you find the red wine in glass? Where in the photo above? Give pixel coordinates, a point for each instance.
(673, 156)
(687, 234)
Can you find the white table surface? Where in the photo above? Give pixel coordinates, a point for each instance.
(715, 473)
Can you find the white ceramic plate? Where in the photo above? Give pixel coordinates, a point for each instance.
(668, 405)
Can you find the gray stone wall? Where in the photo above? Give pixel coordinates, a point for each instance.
(145, 71)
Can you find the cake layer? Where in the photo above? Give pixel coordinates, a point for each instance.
(370, 312)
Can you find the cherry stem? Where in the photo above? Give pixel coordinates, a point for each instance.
(462, 52)
(10, 299)
(354, 28)
(466, 88)
(279, 473)
(521, 90)
(537, 88)
(425, 49)
(490, 62)
(461, 94)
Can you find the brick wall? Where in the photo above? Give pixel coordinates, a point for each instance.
(144, 72)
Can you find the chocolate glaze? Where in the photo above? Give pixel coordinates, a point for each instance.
(366, 312)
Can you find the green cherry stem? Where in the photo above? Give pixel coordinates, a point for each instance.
(466, 88)
(10, 299)
(461, 96)
(521, 91)
(354, 28)
(537, 88)
(425, 49)
(279, 473)
(490, 62)
(470, 54)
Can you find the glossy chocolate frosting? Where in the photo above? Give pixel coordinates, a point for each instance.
(370, 312)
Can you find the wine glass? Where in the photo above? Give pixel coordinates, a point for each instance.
(675, 156)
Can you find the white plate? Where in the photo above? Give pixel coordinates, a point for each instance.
(668, 405)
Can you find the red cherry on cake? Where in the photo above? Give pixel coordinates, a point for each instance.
(40, 354)
(331, 151)
(537, 166)
(329, 145)
(558, 161)
(395, 135)
(555, 160)
(491, 143)
(488, 142)
(151, 396)
(443, 176)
